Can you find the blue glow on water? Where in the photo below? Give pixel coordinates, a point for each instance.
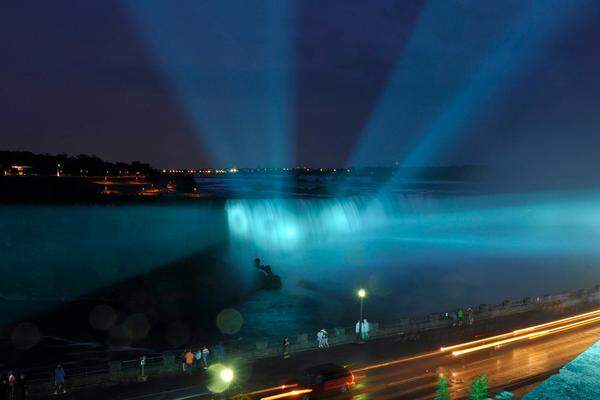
(525, 225)
(414, 253)
(289, 225)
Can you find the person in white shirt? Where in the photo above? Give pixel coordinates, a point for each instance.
(205, 353)
(320, 338)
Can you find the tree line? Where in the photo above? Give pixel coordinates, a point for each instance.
(82, 164)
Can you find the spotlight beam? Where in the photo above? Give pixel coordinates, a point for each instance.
(238, 99)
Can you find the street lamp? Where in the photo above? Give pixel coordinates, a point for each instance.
(226, 375)
(361, 295)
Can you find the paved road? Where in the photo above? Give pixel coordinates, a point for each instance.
(385, 371)
(514, 366)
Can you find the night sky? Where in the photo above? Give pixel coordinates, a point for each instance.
(510, 84)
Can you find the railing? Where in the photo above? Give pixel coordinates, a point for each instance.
(82, 375)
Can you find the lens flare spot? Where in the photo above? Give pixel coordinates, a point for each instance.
(103, 317)
(136, 326)
(230, 321)
(216, 373)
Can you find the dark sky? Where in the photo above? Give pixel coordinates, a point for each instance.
(511, 84)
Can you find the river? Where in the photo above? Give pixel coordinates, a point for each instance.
(160, 276)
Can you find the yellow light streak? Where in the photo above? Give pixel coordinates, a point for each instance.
(474, 342)
(272, 389)
(394, 362)
(531, 332)
(520, 331)
(558, 322)
(534, 335)
(564, 328)
(287, 394)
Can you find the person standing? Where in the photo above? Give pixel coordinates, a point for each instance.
(198, 357)
(325, 339)
(12, 386)
(205, 354)
(470, 316)
(59, 380)
(286, 347)
(182, 358)
(365, 329)
(189, 361)
(320, 338)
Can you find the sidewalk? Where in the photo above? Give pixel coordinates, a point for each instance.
(276, 371)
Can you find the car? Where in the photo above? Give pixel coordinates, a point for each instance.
(325, 380)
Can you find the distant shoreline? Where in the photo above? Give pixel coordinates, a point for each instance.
(167, 188)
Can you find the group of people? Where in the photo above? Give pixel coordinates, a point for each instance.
(462, 317)
(14, 387)
(323, 339)
(362, 330)
(200, 357)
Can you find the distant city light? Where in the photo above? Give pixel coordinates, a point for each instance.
(362, 293)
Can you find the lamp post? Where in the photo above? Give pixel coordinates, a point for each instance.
(143, 365)
(226, 376)
(361, 295)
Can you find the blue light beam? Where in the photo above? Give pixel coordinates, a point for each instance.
(230, 66)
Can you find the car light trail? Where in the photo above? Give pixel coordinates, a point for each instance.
(394, 362)
(287, 394)
(564, 328)
(271, 389)
(532, 332)
(521, 331)
(534, 335)
(558, 322)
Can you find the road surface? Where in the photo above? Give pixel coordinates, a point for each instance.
(514, 366)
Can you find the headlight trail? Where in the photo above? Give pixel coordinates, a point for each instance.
(534, 335)
(532, 332)
(399, 361)
(564, 328)
(521, 331)
(558, 322)
(272, 389)
(287, 394)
